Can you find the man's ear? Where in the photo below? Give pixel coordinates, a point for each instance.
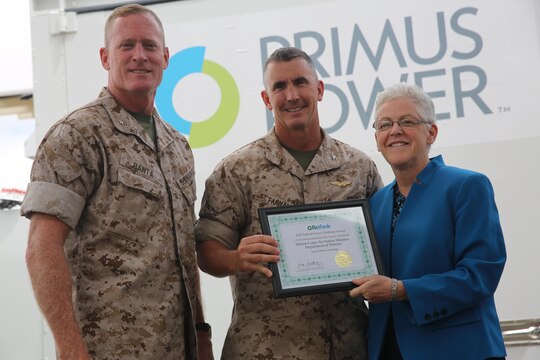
(266, 100)
(166, 57)
(320, 90)
(104, 56)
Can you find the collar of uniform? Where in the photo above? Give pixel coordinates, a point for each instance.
(329, 156)
(163, 133)
(123, 120)
(279, 156)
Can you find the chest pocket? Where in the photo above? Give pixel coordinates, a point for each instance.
(140, 183)
(134, 204)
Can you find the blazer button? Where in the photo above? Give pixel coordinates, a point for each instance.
(427, 317)
(443, 312)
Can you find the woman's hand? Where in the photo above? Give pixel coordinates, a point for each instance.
(377, 288)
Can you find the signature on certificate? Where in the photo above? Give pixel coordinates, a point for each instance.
(309, 265)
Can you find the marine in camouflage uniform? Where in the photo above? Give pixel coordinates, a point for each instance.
(264, 174)
(129, 202)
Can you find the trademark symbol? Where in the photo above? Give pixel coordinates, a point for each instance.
(504, 109)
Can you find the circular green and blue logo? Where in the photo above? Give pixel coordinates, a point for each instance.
(207, 132)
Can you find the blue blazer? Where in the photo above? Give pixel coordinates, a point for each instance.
(448, 249)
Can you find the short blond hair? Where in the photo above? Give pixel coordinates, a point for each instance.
(126, 10)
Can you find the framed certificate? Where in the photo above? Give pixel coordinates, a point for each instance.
(322, 246)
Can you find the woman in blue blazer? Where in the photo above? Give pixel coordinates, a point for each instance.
(441, 243)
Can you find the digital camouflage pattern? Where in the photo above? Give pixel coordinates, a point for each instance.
(264, 174)
(130, 206)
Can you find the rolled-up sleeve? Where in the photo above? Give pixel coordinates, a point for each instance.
(222, 213)
(64, 173)
(53, 199)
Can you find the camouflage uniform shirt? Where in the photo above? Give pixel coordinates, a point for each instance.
(131, 250)
(264, 174)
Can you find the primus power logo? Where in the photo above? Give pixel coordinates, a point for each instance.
(207, 132)
(352, 58)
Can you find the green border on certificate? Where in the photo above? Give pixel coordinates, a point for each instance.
(323, 246)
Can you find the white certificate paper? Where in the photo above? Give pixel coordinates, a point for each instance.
(323, 246)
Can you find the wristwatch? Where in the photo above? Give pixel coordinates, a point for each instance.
(205, 327)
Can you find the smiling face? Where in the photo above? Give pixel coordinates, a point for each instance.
(135, 58)
(292, 92)
(405, 149)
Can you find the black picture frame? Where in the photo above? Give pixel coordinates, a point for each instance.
(346, 214)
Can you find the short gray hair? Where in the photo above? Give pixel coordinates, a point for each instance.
(285, 54)
(422, 101)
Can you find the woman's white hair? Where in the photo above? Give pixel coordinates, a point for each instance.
(422, 101)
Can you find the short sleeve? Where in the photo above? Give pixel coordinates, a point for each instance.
(222, 213)
(64, 172)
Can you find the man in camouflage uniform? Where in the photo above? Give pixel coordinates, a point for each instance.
(111, 252)
(295, 163)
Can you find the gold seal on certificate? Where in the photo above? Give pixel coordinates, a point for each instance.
(322, 246)
(343, 259)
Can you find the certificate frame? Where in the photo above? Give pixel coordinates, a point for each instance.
(309, 236)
